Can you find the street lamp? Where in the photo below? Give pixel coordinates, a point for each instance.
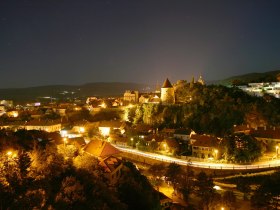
(277, 147)
(216, 153)
(164, 145)
(9, 153)
(131, 139)
(65, 141)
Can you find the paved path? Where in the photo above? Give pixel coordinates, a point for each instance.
(198, 164)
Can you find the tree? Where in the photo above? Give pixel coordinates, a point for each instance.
(71, 194)
(153, 145)
(205, 190)
(242, 147)
(174, 174)
(267, 194)
(135, 190)
(24, 163)
(243, 186)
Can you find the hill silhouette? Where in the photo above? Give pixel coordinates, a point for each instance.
(60, 92)
(271, 76)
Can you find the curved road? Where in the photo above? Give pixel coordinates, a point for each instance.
(222, 166)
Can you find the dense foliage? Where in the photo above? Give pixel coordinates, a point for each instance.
(209, 109)
(267, 194)
(243, 148)
(42, 175)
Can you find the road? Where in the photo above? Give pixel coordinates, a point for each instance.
(210, 165)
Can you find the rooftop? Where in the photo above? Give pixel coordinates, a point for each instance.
(167, 84)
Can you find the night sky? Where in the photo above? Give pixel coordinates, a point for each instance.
(45, 42)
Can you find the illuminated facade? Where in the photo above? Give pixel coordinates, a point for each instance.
(167, 93)
(131, 96)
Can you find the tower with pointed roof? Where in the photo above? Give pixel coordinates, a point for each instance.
(167, 93)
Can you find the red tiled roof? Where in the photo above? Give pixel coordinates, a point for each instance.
(101, 149)
(273, 133)
(172, 143)
(157, 138)
(142, 128)
(204, 140)
(110, 164)
(78, 140)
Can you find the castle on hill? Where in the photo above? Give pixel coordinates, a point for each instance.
(166, 95)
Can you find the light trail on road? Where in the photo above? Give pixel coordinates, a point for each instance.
(221, 166)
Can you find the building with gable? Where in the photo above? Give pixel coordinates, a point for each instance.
(131, 96)
(106, 154)
(205, 146)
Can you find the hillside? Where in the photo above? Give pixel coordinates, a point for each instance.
(271, 76)
(68, 91)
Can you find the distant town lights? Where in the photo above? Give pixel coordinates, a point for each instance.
(103, 105)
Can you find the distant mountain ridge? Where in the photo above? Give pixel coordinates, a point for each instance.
(100, 89)
(271, 76)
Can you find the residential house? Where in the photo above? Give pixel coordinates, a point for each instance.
(168, 132)
(79, 142)
(7, 103)
(118, 140)
(268, 136)
(12, 113)
(205, 146)
(112, 167)
(100, 149)
(182, 134)
(106, 127)
(169, 146)
(131, 96)
(144, 98)
(106, 154)
(45, 125)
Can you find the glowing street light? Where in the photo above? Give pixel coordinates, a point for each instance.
(103, 105)
(164, 145)
(65, 141)
(9, 153)
(277, 147)
(216, 153)
(81, 129)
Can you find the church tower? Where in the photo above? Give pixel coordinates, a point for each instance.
(201, 80)
(167, 93)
